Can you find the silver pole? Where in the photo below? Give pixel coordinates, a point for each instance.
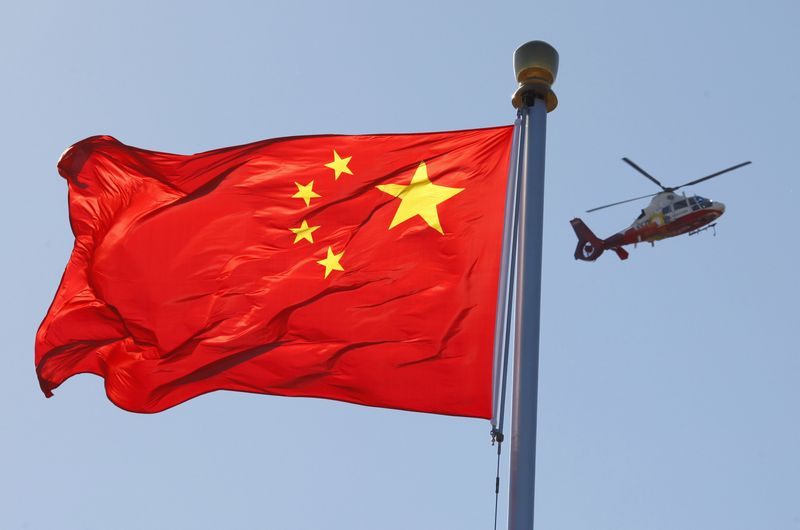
(502, 322)
(536, 64)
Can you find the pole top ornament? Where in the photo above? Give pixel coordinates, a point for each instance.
(536, 67)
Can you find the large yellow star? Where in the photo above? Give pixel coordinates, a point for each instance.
(331, 262)
(419, 198)
(304, 232)
(305, 192)
(339, 165)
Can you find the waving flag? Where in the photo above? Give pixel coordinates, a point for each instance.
(355, 268)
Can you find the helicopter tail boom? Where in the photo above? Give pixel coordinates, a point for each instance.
(589, 245)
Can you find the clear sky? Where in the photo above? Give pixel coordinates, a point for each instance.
(670, 383)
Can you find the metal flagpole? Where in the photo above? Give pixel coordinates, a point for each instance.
(536, 65)
(502, 324)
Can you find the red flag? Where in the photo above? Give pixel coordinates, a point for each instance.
(356, 268)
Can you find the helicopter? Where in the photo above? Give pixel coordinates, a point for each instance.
(669, 214)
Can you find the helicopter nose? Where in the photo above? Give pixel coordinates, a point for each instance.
(718, 206)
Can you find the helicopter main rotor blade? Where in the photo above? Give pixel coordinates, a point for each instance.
(621, 202)
(718, 173)
(643, 172)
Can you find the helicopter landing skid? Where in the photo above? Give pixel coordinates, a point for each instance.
(712, 226)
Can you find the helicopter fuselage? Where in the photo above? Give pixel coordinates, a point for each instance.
(669, 214)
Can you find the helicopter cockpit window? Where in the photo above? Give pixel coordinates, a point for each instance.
(692, 201)
(680, 204)
(703, 202)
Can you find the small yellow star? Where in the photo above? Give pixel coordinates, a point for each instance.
(339, 165)
(304, 232)
(420, 197)
(331, 262)
(305, 192)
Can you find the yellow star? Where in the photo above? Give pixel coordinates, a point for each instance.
(331, 262)
(305, 192)
(304, 232)
(339, 165)
(419, 198)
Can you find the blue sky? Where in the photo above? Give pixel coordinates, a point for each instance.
(670, 383)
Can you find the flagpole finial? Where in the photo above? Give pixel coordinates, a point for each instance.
(536, 67)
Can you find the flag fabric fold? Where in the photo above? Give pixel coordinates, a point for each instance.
(357, 268)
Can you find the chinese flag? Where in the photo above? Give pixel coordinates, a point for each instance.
(356, 268)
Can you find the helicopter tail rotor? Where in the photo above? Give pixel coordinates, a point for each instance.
(589, 245)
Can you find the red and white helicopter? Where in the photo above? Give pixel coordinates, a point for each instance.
(668, 214)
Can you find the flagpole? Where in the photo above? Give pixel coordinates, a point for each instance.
(505, 287)
(536, 65)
